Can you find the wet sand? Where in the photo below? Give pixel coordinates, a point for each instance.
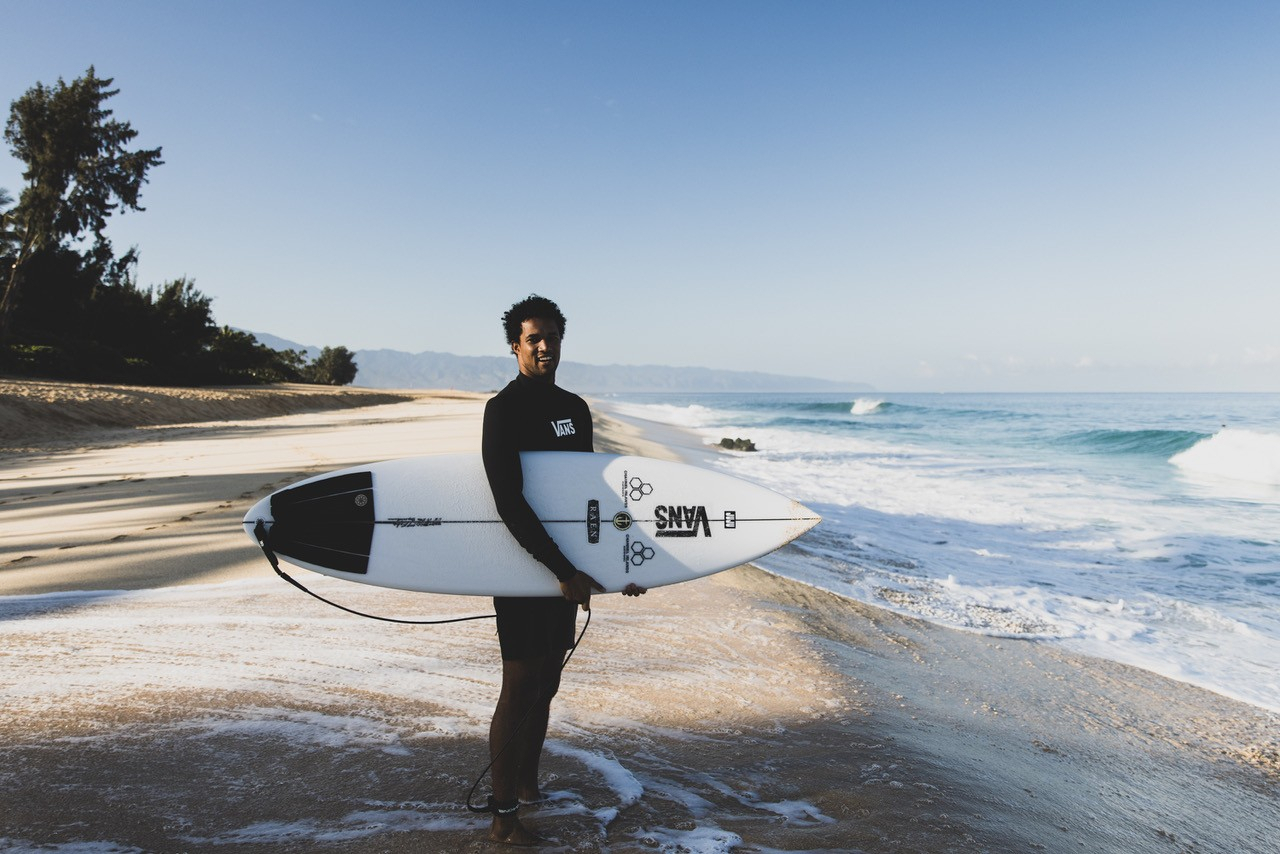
(163, 691)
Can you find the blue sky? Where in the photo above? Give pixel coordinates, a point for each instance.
(1003, 196)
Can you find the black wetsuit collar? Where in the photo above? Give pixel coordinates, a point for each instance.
(528, 382)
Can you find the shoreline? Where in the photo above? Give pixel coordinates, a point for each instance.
(743, 711)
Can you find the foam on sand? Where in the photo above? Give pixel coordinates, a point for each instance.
(216, 672)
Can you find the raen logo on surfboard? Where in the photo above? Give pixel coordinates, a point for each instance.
(681, 521)
(563, 427)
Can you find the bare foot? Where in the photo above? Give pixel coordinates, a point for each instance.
(508, 830)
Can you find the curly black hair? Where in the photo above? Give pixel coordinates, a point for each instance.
(532, 306)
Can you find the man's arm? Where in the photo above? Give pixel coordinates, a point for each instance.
(506, 480)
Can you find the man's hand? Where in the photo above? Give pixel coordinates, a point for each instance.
(634, 589)
(578, 589)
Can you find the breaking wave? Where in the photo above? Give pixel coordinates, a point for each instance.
(1160, 443)
(865, 406)
(1236, 454)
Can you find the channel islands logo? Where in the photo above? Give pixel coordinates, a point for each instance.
(634, 488)
(637, 489)
(637, 553)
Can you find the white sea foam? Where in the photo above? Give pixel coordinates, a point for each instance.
(865, 406)
(701, 840)
(690, 416)
(348, 828)
(994, 560)
(253, 661)
(963, 520)
(1236, 454)
(346, 733)
(95, 647)
(623, 783)
(23, 845)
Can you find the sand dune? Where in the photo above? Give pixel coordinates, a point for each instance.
(38, 414)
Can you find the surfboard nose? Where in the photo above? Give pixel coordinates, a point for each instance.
(804, 519)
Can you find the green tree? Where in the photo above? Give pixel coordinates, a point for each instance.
(238, 358)
(78, 173)
(334, 366)
(184, 320)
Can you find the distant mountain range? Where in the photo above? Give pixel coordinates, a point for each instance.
(397, 369)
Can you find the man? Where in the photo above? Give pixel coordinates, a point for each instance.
(531, 414)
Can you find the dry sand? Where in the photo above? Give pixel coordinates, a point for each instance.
(216, 708)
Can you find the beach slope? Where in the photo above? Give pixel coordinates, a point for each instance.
(163, 691)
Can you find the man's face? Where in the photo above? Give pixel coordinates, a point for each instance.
(538, 350)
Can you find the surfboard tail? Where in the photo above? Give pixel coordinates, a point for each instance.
(327, 522)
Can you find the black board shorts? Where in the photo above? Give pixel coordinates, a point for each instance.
(531, 627)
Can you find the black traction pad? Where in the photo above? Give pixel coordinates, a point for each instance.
(327, 522)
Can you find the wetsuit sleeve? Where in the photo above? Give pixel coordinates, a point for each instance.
(506, 479)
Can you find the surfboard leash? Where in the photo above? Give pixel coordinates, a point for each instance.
(263, 536)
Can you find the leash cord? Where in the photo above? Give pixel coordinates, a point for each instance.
(261, 534)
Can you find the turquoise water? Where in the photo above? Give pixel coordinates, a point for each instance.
(1138, 528)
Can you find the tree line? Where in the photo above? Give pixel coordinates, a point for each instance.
(70, 307)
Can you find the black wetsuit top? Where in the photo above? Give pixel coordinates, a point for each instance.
(531, 415)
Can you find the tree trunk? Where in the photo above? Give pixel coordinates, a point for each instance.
(9, 298)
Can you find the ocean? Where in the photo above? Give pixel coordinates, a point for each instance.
(1139, 528)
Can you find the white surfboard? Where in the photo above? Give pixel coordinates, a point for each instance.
(430, 524)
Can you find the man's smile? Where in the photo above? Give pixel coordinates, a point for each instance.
(538, 349)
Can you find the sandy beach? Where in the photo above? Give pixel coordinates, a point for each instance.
(163, 691)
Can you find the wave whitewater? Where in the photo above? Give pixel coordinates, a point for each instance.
(1234, 454)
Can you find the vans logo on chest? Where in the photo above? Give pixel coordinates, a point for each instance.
(563, 427)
